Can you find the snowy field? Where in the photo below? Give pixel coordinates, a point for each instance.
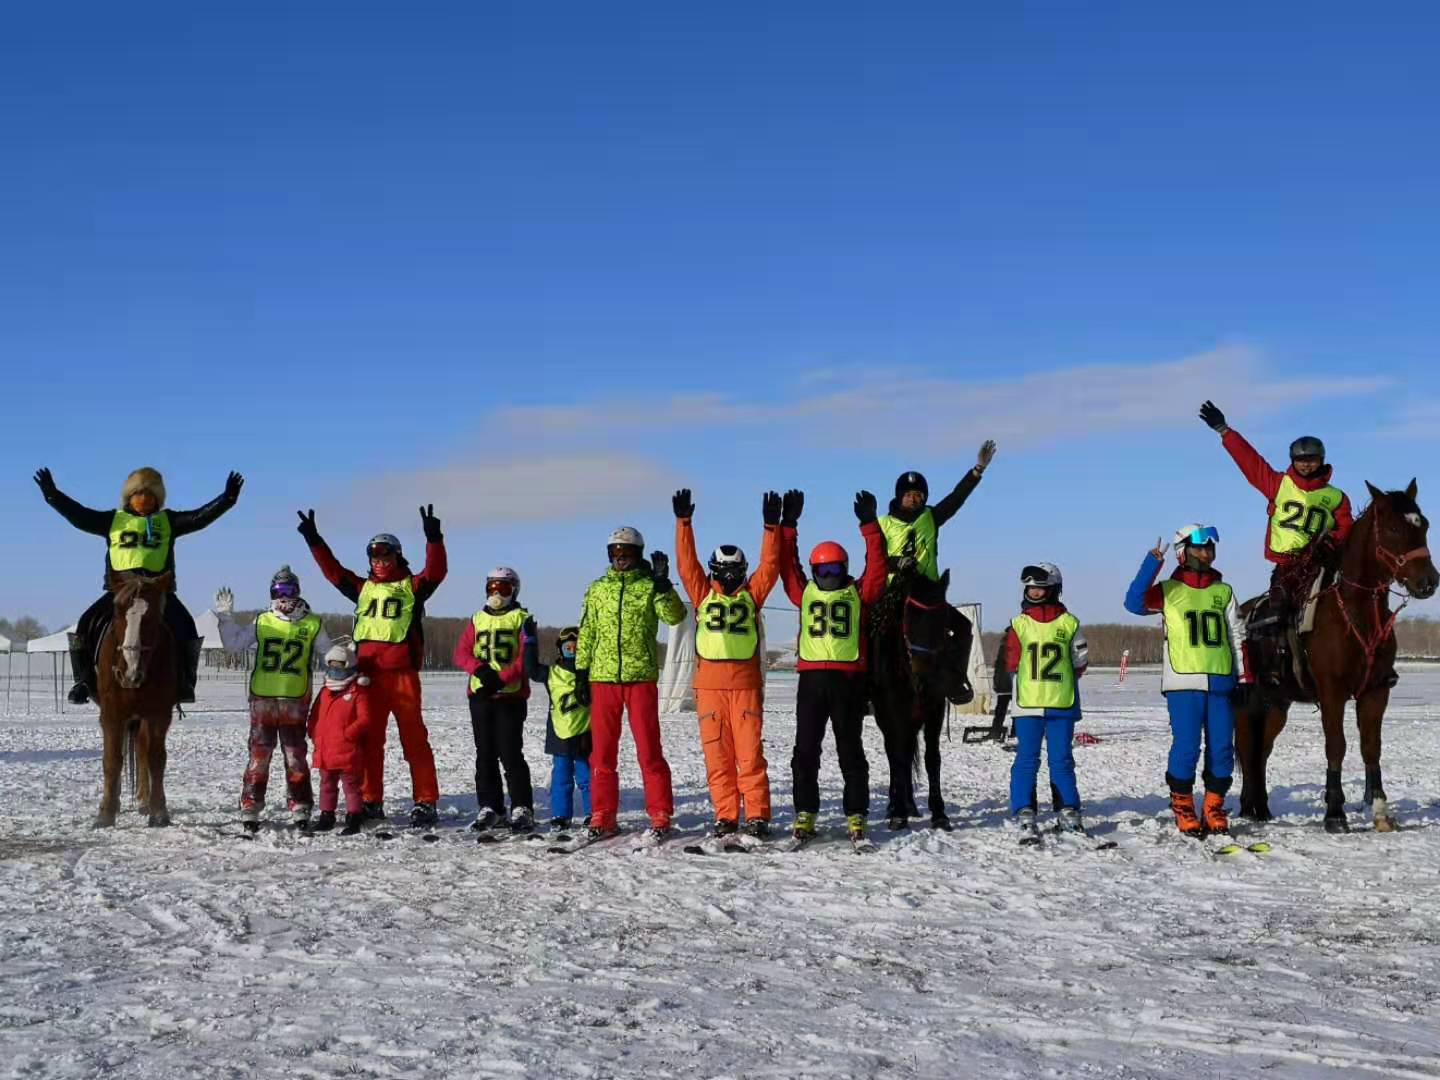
(188, 952)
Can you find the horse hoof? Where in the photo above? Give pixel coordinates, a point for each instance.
(1386, 824)
(103, 823)
(1336, 825)
(158, 820)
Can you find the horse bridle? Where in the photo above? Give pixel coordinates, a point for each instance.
(1383, 629)
(909, 600)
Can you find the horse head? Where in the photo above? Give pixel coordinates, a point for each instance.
(138, 629)
(1400, 539)
(925, 624)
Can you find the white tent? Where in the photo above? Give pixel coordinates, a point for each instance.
(58, 642)
(977, 670)
(5, 644)
(208, 627)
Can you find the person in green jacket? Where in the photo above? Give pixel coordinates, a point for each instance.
(912, 527)
(616, 670)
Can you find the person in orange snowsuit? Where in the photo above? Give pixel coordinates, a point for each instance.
(730, 672)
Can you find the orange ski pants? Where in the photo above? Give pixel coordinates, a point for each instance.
(731, 736)
(398, 693)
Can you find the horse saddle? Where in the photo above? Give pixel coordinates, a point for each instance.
(1277, 635)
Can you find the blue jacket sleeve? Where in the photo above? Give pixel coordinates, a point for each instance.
(1135, 595)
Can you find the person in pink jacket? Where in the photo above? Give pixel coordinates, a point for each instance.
(339, 720)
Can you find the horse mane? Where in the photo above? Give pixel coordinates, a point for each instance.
(1400, 501)
(132, 585)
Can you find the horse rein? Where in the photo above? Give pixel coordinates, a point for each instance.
(910, 600)
(1386, 629)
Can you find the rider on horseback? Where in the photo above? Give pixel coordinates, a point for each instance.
(141, 535)
(1309, 517)
(912, 528)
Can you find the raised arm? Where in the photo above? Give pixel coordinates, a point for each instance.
(767, 572)
(1144, 596)
(436, 563)
(95, 522)
(947, 507)
(687, 562)
(347, 581)
(189, 521)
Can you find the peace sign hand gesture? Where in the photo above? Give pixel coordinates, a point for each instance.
(1159, 549)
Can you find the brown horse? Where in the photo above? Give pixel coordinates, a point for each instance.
(137, 690)
(1352, 655)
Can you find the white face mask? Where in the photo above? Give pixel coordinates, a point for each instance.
(495, 601)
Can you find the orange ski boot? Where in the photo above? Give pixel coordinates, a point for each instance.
(1182, 805)
(1216, 820)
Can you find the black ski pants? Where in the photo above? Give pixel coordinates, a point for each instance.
(499, 729)
(836, 697)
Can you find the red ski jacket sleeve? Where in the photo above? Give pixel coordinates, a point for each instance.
(872, 581)
(1262, 476)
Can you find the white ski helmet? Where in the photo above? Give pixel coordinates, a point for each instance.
(1195, 533)
(727, 560)
(504, 573)
(1045, 575)
(626, 534)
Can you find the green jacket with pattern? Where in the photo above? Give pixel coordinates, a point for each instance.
(618, 621)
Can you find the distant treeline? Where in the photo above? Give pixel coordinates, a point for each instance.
(1419, 639)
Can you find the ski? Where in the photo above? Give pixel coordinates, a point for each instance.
(579, 843)
(862, 845)
(711, 845)
(744, 842)
(795, 843)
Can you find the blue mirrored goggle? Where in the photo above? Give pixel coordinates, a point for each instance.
(829, 569)
(1206, 535)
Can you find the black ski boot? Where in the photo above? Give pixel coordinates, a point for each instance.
(374, 811)
(250, 825)
(82, 664)
(324, 821)
(726, 827)
(352, 823)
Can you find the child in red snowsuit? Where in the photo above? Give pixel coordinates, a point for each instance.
(339, 721)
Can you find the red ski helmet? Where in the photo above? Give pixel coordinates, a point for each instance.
(829, 552)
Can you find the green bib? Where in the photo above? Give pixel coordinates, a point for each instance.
(830, 624)
(1046, 676)
(727, 627)
(138, 543)
(283, 655)
(384, 611)
(1196, 631)
(567, 716)
(923, 528)
(1300, 516)
(497, 640)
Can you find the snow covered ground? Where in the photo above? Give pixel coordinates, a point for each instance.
(187, 952)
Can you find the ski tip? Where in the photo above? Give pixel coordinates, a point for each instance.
(1260, 847)
(1228, 849)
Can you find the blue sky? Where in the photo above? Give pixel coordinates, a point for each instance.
(541, 264)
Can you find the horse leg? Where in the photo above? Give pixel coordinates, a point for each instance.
(114, 738)
(898, 761)
(1370, 712)
(1332, 719)
(138, 745)
(1255, 735)
(933, 724)
(156, 728)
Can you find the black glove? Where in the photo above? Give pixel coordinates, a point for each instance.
(307, 527)
(47, 483)
(865, 507)
(793, 503)
(431, 524)
(490, 683)
(1243, 696)
(660, 571)
(582, 687)
(683, 504)
(1213, 416)
(233, 483)
(771, 507)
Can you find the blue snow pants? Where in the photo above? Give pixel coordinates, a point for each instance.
(566, 774)
(1191, 713)
(1058, 733)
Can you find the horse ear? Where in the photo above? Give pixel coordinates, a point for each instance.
(945, 580)
(1375, 493)
(1412, 490)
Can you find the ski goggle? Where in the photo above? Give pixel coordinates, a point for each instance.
(499, 587)
(1035, 575)
(379, 551)
(829, 569)
(288, 590)
(1206, 534)
(615, 551)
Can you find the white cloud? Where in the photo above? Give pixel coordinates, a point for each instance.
(533, 488)
(947, 412)
(1415, 419)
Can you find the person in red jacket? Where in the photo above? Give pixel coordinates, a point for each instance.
(339, 721)
(389, 633)
(831, 660)
(1309, 517)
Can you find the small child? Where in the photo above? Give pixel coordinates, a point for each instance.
(1205, 658)
(567, 733)
(339, 721)
(1043, 655)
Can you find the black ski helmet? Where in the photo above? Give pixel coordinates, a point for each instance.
(911, 481)
(1307, 446)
